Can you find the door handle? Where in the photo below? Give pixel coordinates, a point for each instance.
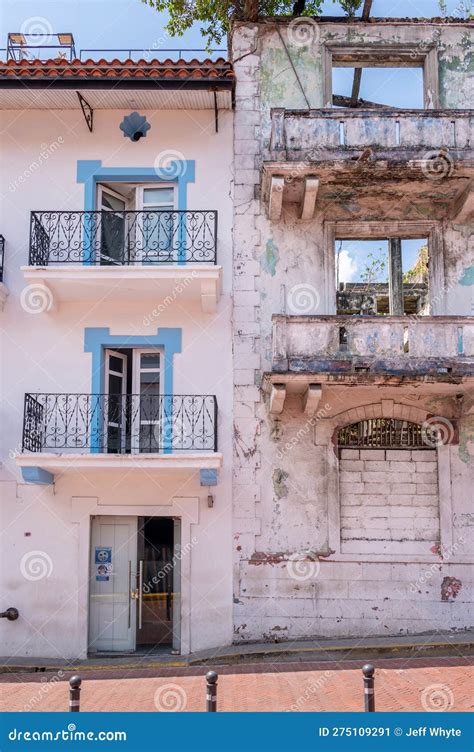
(140, 593)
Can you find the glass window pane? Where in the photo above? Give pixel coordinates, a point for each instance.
(115, 384)
(150, 377)
(158, 196)
(111, 202)
(116, 364)
(150, 360)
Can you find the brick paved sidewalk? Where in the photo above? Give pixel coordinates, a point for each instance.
(416, 684)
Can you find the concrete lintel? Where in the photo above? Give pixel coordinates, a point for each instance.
(277, 398)
(37, 475)
(464, 204)
(310, 192)
(312, 398)
(275, 197)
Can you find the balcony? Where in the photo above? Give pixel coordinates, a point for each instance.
(125, 255)
(310, 351)
(334, 155)
(77, 432)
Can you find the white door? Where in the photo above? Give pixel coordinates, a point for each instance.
(147, 408)
(113, 229)
(158, 226)
(113, 584)
(115, 408)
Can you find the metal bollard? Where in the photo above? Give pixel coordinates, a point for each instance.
(369, 692)
(211, 691)
(75, 694)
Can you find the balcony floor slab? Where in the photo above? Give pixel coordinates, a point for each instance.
(159, 284)
(91, 462)
(365, 186)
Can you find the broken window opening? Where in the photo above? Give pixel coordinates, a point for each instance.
(382, 277)
(374, 87)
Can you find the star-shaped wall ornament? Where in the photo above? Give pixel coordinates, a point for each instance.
(135, 126)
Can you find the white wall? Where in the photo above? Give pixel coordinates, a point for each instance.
(45, 353)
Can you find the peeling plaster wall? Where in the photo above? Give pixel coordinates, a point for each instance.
(291, 578)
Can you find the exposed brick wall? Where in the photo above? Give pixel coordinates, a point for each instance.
(388, 495)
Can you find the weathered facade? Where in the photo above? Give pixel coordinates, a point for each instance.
(353, 434)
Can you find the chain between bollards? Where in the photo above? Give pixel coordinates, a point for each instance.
(369, 691)
(75, 694)
(211, 691)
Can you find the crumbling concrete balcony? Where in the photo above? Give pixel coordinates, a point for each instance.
(429, 347)
(334, 157)
(435, 354)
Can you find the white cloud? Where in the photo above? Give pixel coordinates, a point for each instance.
(347, 267)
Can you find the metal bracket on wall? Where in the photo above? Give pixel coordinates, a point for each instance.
(87, 111)
(216, 111)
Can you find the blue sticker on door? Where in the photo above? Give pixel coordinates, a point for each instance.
(103, 563)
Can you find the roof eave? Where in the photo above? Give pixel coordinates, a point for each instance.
(84, 82)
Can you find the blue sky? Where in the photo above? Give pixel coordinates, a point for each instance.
(116, 24)
(355, 256)
(130, 23)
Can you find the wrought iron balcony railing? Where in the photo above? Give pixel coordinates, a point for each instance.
(2, 253)
(123, 237)
(120, 424)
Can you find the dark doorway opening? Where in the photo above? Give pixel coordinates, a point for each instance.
(156, 558)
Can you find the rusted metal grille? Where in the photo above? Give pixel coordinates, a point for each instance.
(383, 433)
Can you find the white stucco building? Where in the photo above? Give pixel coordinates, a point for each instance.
(116, 356)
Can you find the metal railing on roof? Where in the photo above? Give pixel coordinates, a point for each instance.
(49, 46)
(151, 53)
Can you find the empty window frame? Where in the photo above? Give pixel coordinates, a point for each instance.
(376, 56)
(381, 277)
(388, 87)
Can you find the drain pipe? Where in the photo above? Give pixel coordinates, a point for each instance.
(11, 614)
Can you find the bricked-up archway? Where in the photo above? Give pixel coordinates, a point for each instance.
(388, 483)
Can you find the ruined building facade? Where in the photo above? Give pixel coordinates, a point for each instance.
(353, 421)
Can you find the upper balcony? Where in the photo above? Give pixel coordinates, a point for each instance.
(79, 255)
(308, 351)
(333, 156)
(87, 432)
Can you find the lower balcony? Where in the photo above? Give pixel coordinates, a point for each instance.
(125, 255)
(77, 432)
(310, 353)
(435, 346)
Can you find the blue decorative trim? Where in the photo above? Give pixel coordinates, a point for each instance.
(98, 339)
(90, 172)
(37, 475)
(208, 477)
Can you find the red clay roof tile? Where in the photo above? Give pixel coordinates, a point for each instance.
(153, 69)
